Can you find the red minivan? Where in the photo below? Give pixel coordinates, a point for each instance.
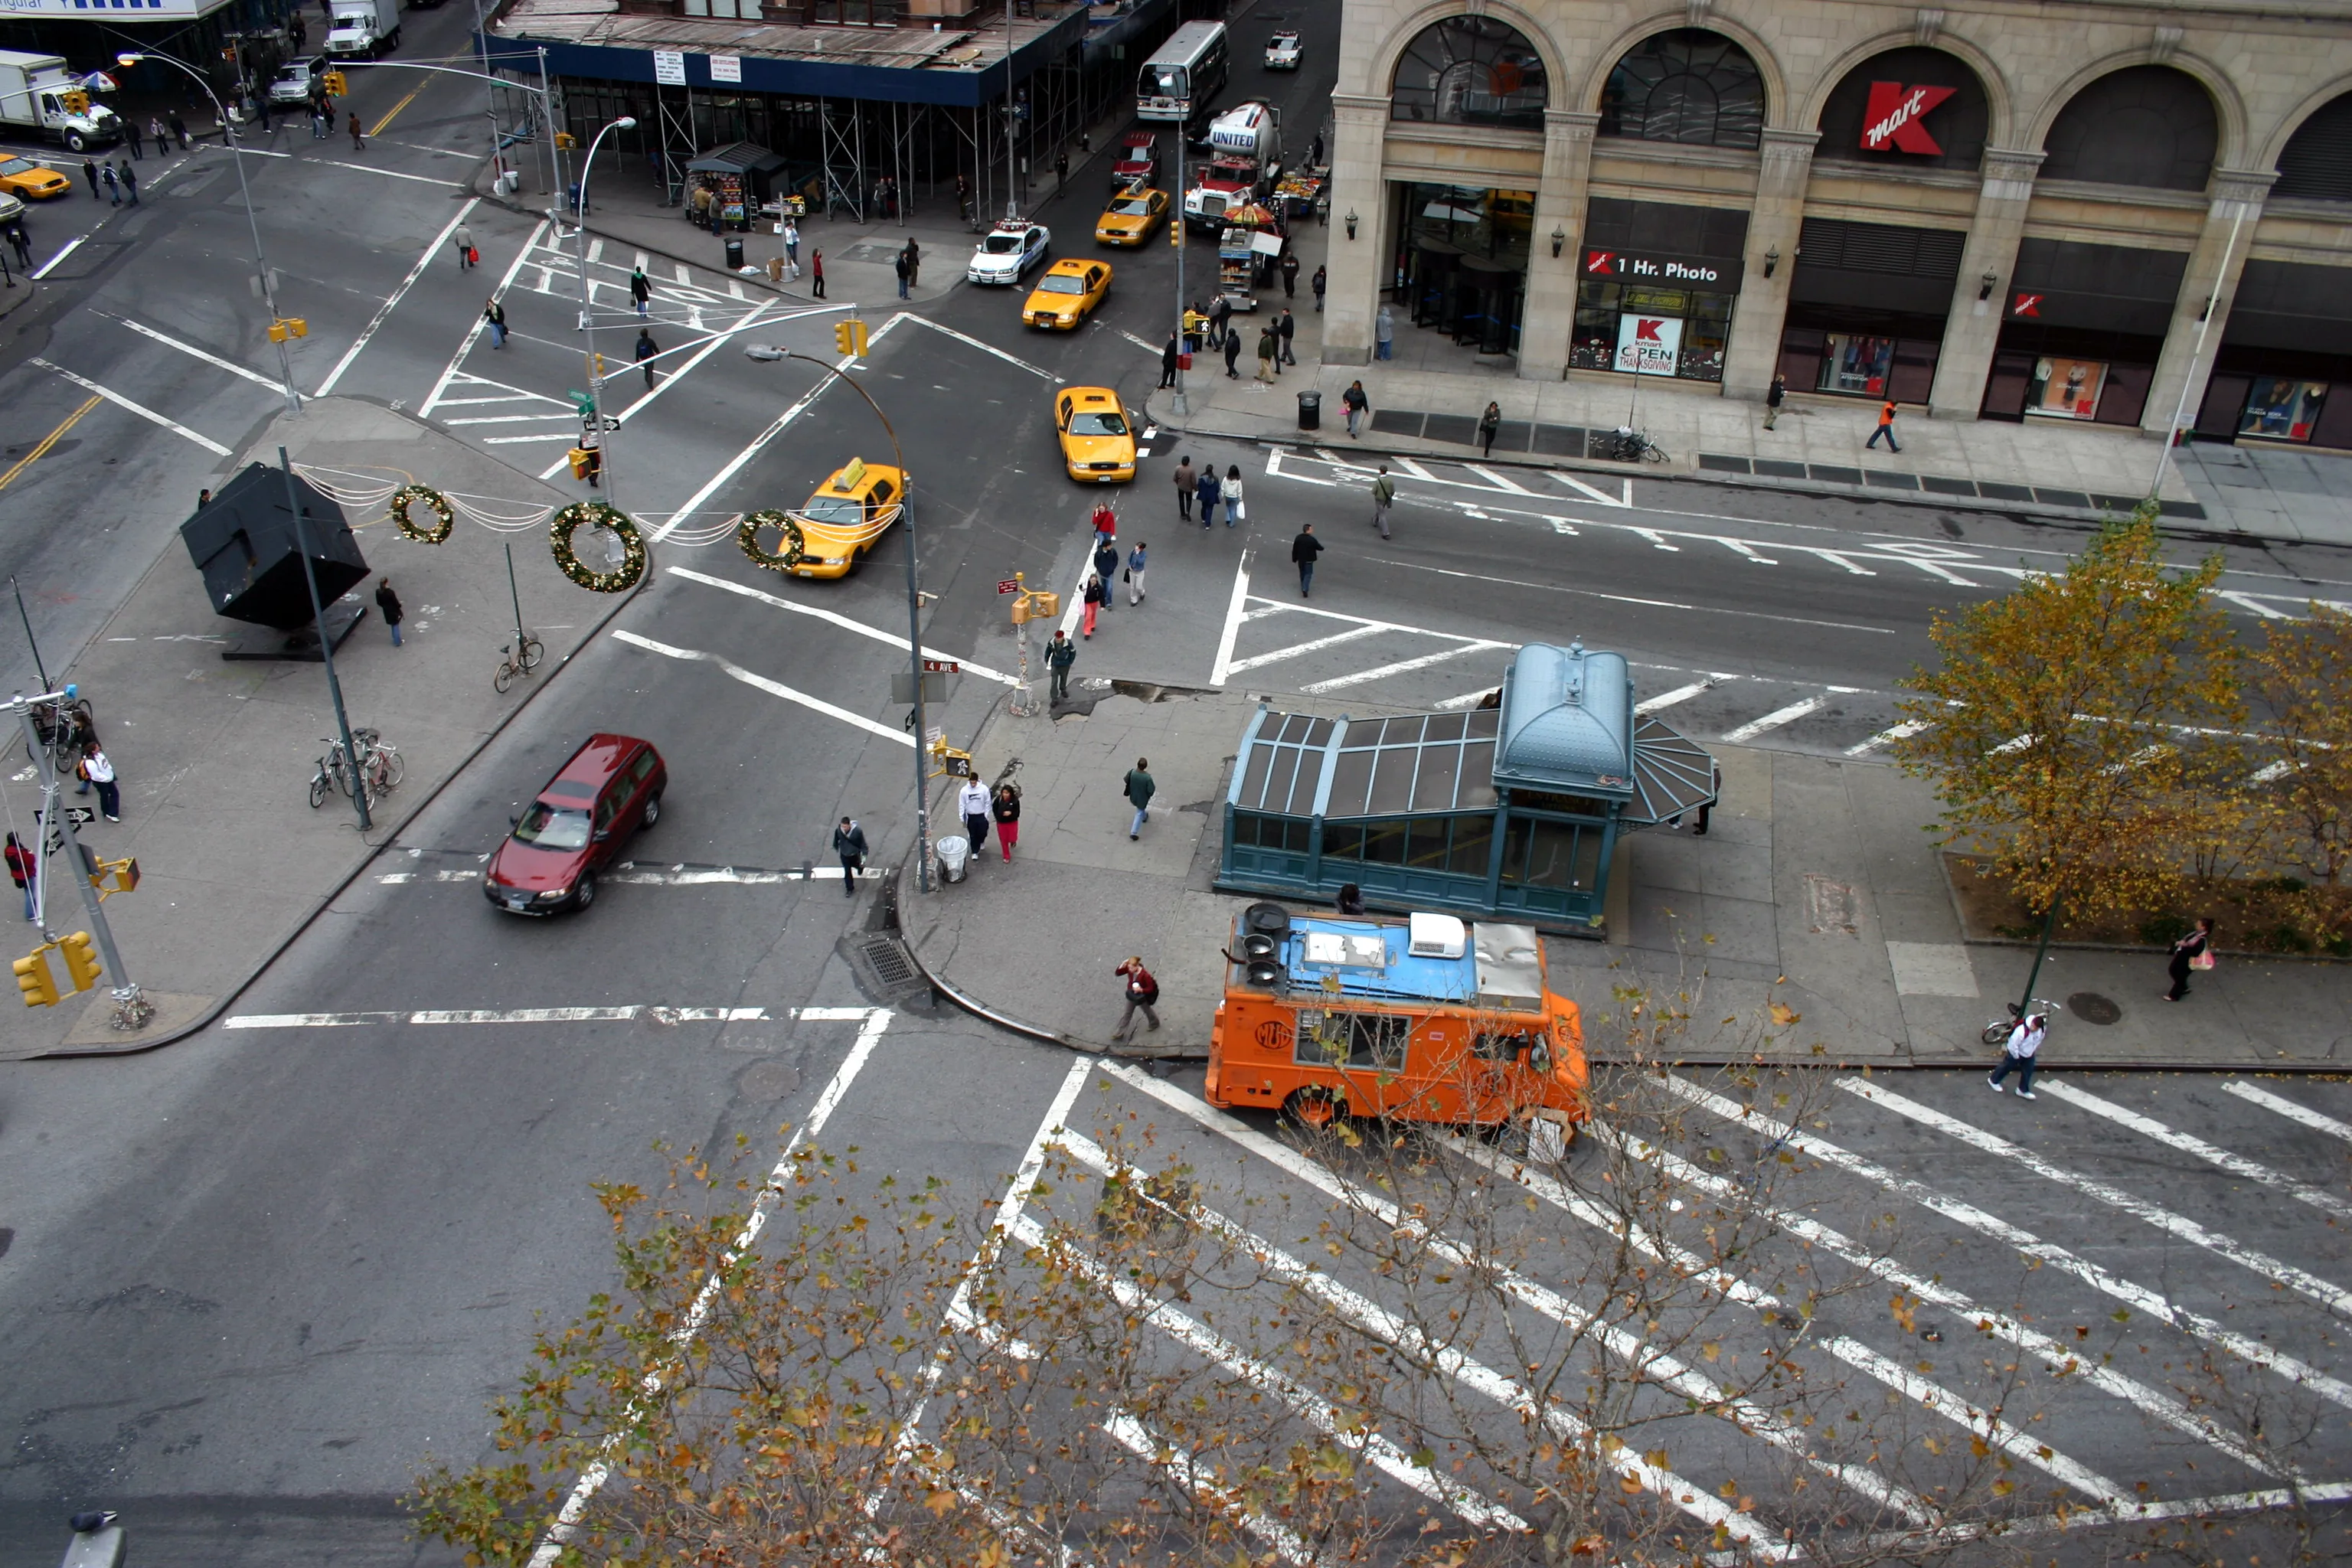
(612, 786)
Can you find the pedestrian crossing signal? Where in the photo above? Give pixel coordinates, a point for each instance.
(34, 979)
(81, 963)
(287, 327)
(849, 337)
(565, 141)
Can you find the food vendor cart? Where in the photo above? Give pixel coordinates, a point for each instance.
(1247, 251)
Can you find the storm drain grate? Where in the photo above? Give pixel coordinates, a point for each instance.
(886, 966)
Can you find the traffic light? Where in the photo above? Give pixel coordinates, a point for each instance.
(33, 978)
(565, 141)
(849, 337)
(75, 101)
(81, 963)
(335, 84)
(287, 327)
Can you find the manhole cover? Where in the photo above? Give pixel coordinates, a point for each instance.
(769, 1079)
(2092, 1008)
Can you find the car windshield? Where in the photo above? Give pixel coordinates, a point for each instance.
(1097, 424)
(18, 166)
(1135, 207)
(1062, 283)
(1001, 244)
(553, 826)
(840, 512)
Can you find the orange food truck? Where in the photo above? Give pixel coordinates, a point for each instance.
(1422, 1019)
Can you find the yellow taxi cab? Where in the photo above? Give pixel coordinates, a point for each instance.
(1098, 437)
(848, 512)
(1132, 217)
(23, 177)
(1067, 292)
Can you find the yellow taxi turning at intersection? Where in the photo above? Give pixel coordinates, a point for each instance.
(1132, 217)
(1097, 434)
(1066, 293)
(842, 522)
(26, 177)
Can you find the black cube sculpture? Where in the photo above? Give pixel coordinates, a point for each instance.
(243, 545)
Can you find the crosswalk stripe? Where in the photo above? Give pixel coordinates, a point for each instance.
(761, 683)
(1679, 694)
(2289, 1108)
(2252, 1351)
(1886, 737)
(1402, 667)
(2062, 1363)
(2333, 1297)
(2171, 1138)
(1772, 721)
(1256, 660)
(653, 1013)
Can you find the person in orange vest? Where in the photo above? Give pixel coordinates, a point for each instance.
(1886, 428)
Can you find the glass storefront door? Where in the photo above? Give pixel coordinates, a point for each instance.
(1462, 262)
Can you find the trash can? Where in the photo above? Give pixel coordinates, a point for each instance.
(953, 853)
(734, 254)
(1310, 411)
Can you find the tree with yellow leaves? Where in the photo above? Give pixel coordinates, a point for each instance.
(2302, 678)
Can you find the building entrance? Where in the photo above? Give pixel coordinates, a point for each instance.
(1462, 262)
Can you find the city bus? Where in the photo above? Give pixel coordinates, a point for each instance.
(1184, 75)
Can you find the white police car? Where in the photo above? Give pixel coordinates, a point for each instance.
(1007, 251)
(1282, 52)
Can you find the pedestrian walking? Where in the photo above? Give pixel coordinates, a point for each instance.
(1303, 551)
(203, 500)
(389, 603)
(464, 240)
(22, 244)
(792, 243)
(971, 805)
(130, 134)
(1208, 490)
(1061, 171)
(849, 843)
(1886, 428)
(1322, 278)
(1105, 523)
(1184, 480)
(1106, 568)
(914, 255)
(1142, 997)
(1384, 334)
(1232, 355)
(816, 274)
(1094, 593)
(261, 111)
(1139, 789)
(95, 768)
(130, 179)
(1135, 565)
(2022, 1053)
(90, 172)
(2194, 951)
(322, 119)
(1006, 809)
(1060, 653)
(1290, 274)
(179, 131)
(1233, 494)
(1772, 398)
(1221, 320)
(645, 350)
(901, 266)
(1355, 404)
(1489, 422)
(25, 870)
(1284, 327)
(963, 198)
(113, 190)
(1168, 358)
(496, 314)
(1383, 497)
(1268, 346)
(359, 144)
(161, 138)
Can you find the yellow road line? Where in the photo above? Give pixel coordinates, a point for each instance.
(382, 120)
(47, 441)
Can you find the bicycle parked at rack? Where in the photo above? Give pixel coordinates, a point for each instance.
(378, 769)
(1997, 1031)
(513, 663)
(1626, 445)
(62, 727)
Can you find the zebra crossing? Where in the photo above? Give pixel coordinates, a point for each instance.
(1940, 1373)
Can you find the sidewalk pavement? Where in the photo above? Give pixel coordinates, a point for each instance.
(1814, 889)
(215, 758)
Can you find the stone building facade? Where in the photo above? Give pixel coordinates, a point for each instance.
(2089, 211)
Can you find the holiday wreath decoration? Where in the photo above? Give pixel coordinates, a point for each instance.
(596, 513)
(793, 545)
(444, 519)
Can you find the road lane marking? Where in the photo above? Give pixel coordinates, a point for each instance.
(671, 377)
(1632, 598)
(1653, 536)
(2334, 1298)
(1772, 721)
(1904, 731)
(387, 173)
(47, 441)
(2171, 1138)
(1679, 694)
(984, 348)
(473, 334)
(512, 418)
(653, 1012)
(631, 873)
(1625, 500)
(1499, 482)
(70, 247)
(2133, 1295)
(2289, 1108)
(141, 409)
(772, 687)
(191, 351)
(1223, 666)
(385, 310)
(1235, 667)
(835, 618)
(387, 117)
(1402, 667)
(873, 1023)
(1746, 551)
(564, 436)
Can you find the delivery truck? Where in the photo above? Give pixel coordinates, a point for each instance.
(38, 93)
(362, 30)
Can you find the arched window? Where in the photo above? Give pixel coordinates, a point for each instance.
(2143, 125)
(1689, 86)
(1908, 108)
(2316, 164)
(1470, 70)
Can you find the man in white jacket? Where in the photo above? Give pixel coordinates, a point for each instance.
(2022, 1052)
(971, 805)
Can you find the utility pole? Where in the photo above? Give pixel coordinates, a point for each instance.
(326, 644)
(1176, 237)
(131, 1008)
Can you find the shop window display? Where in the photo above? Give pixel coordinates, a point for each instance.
(2282, 408)
(2065, 388)
(1651, 332)
(1857, 364)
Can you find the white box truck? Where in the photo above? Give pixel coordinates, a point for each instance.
(37, 92)
(362, 30)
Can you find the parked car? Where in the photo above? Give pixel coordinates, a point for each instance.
(608, 789)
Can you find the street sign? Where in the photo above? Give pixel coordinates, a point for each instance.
(1008, 584)
(933, 736)
(80, 815)
(902, 686)
(942, 667)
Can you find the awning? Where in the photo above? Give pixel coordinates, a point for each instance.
(1672, 774)
(737, 158)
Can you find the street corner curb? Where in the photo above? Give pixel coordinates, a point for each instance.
(359, 867)
(941, 984)
(23, 293)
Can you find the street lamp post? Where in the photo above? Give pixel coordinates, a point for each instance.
(587, 315)
(236, 155)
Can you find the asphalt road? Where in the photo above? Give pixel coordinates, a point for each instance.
(254, 1282)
